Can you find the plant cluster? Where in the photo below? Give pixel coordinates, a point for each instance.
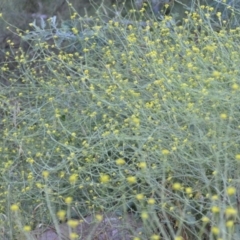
(126, 120)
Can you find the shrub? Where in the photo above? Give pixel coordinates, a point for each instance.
(134, 120)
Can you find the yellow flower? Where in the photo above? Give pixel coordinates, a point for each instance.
(215, 209)
(104, 178)
(120, 161)
(214, 173)
(235, 86)
(73, 235)
(178, 238)
(30, 160)
(144, 215)
(177, 186)
(231, 191)
(216, 74)
(45, 174)
(223, 116)
(155, 237)
(237, 157)
(99, 217)
(142, 165)
(72, 223)
(205, 219)
(27, 228)
(165, 152)
(171, 209)
(39, 185)
(73, 134)
(61, 174)
(215, 230)
(151, 201)
(68, 200)
(14, 207)
(215, 197)
(219, 14)
(73, 178)
(136, 121)
(61, 215)
(229, 223)
(74, 30)
(131, 179)
(139, 196)
(188, 190)
(230, 211)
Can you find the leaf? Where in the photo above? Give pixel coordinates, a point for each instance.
(43, 24)
(53, 22)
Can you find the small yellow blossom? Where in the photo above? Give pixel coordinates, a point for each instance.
(177, 186)
(215, 209)
(14, 207)
(171, 209)
(45, 174)
(215, 230)
(73, 178)
(230, 211)
(219, 14)
(216, 74)
(178, 238)
(139, 196)
(188, 190)
(120, 161)
(235, 86)
(231, 191)
(237, 156)
(73, 223)
(144, 215)
(230, 223)
(30, 160)
(74, 30)
(205, 219)
(132, 179)
(27, 228)
(61, 174)
(39, 185)
(165, 152)
(155, 237)
(68, 200)
(99, 217)
(73, 134)
(151, 201)
(142, 165)
(214, 173)
(104, 178)
(215, 197)
(61, 215)
(223, 116)
(136, 121)
(73, 235)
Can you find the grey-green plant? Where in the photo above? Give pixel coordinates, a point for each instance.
(145, 125)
